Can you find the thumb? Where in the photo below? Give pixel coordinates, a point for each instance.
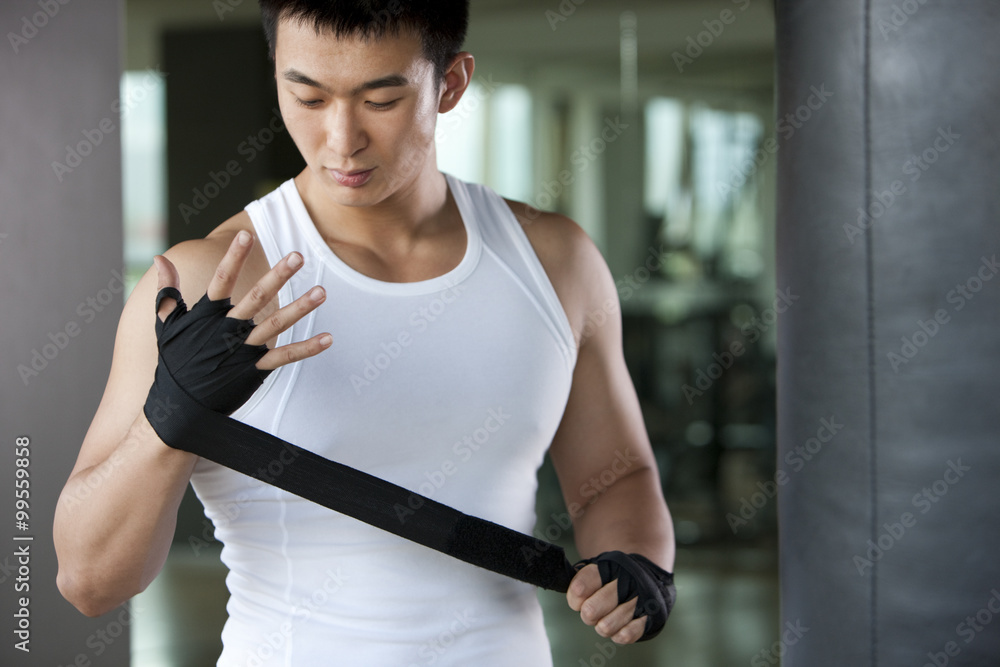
(166, 276)
(584, 584)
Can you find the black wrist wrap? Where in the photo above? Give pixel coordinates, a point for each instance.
(642, 578)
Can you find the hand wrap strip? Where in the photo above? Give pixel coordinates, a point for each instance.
(202, 374)
(638, 577)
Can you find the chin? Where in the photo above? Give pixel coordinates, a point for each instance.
(370, 193)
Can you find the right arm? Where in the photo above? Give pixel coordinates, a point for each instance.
(116, 515)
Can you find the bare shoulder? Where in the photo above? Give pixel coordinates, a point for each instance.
(573, 263)
(196, 260)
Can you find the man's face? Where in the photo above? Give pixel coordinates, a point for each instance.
(368, 129)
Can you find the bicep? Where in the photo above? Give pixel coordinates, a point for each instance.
(602, 436)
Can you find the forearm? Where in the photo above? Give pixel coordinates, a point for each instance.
(629, 516)
(114, 521)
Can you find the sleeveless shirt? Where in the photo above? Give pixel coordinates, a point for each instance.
(452, 387)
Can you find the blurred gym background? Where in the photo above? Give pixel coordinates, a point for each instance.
(649, 123)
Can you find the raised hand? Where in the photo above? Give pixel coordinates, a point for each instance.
(215, 352)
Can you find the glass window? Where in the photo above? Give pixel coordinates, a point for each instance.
(144, 165)
(487, 138)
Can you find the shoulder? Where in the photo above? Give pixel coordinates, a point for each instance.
(574, 264)
(197, 259)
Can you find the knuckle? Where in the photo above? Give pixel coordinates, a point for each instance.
(222, 273)
(275, 322)
(257, 293)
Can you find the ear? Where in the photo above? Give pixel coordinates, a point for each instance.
(456, 81)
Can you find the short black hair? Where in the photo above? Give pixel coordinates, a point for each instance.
(441, 24)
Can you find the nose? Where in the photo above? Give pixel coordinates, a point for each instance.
(345, 134)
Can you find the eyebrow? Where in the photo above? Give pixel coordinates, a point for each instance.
(390, 81)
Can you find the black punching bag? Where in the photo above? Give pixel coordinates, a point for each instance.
(888, 231)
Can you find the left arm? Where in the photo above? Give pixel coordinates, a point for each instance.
(601, 451)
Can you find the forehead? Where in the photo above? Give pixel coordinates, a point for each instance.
(345, 59)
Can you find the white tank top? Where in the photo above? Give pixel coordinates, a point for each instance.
(452, 387)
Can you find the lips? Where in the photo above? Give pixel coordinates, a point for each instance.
(352, 179)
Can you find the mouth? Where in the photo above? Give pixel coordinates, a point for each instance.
(352, 179)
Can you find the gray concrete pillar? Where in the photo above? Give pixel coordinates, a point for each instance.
(61, 271)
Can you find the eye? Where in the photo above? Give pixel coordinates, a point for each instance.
(381, 106)
(309, 105)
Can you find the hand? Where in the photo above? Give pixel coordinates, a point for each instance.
(221, 287)
(613, 587)
(598, 607)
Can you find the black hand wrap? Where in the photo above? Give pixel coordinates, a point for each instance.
(206, 371)
(638, 577)
(206, 354)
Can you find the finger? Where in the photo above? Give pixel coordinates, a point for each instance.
(616, 619)
(600, 604)
(265, 289)
(222, 283)
(631, 633)
(585, 583)
(166, 276)
(285, 317)
(287, 354)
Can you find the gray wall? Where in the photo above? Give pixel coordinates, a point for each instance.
(61, 296)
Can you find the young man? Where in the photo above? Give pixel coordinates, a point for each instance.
(421, 329)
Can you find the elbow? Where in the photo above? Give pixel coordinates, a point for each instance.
(81, 591)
